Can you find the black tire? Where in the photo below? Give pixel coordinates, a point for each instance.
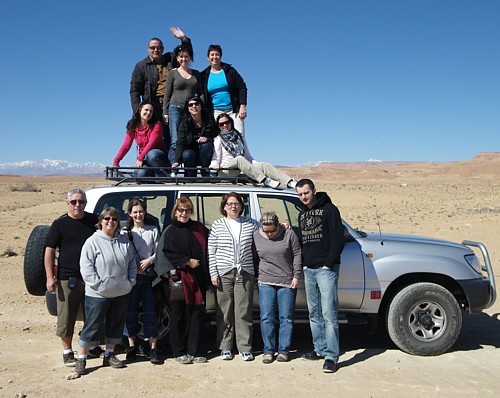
(34, 269)
(424, 319)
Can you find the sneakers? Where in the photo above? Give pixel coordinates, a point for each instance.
(267, 358)
(226, 355)
(95, 352)
(131, 353)
(80, 365)
(197, 359)
(268, 182)
(112, 361)
(154, 357)
(247, 356)
(282, 358)
(69, 359)
(184, 359)
(292, 183)
(312, 356)
(329, 366)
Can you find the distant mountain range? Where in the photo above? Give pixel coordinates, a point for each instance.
(48, 167)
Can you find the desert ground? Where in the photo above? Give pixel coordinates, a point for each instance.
(453, 201)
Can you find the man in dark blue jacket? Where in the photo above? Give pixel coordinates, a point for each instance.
(322, 237)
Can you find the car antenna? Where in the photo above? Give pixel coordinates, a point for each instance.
(378, 223)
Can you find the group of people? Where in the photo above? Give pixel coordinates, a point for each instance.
(203, 113)
(109, 271)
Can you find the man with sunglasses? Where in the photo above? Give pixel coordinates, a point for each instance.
(67, 234)
(149, 75)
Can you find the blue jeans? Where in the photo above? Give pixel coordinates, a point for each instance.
(103, 313)
(200, 155)
(142, 291)
(175, 114)
(154, 158)
(323, 304)
(269, 297)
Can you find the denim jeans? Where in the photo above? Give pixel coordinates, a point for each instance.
(142, 292)
(322, 303)
(154, 158)
(175, 114)
(284, 298)
(200, 155)
(103, 313)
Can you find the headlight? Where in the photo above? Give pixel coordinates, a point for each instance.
(474, 262)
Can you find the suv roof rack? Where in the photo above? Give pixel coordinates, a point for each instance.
(172, 175)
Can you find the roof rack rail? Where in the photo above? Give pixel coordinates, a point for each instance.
(173, 175)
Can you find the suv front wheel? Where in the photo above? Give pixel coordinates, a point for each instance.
(424, 319)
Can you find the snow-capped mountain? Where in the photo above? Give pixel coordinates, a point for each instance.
(52, 167)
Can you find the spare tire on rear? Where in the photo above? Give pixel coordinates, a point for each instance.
(34, 269)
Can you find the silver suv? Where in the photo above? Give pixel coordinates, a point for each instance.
(416, 286)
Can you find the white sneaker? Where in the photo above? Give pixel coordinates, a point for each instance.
(247, 356)
(226, 355)
(268, 182)
(292, 183)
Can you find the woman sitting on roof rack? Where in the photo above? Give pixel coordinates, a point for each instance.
(195, 138)
(146, 130)
(231, 152)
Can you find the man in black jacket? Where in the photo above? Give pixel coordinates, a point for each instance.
(147, 83)
(322, 237)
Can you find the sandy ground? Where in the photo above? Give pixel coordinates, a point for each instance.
(453, 201)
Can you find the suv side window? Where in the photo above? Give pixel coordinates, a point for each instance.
(207, 206)
(286, 207)
(159, 205)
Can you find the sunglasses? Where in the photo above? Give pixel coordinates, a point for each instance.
(270, 231)
(74, 202)
(231, 204)
(226, 122)
(156, 48)
(191, 104)
(181, 210)
(108, 218)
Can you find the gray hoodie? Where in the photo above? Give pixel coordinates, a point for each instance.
(108, 266)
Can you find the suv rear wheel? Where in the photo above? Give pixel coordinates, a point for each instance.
(424, 319)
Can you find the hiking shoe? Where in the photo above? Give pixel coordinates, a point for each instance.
(197, 359)
(282, 358)
(267, 358)
(268, 182)
(247, 356)
(312, 356)
(95, 352)
(184, 359)
(226, 355)
(112, 361)
(80, 365)
(154, 357)
(131, 353)
(69, 359)
(329, 366)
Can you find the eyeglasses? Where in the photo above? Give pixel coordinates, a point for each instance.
(224, 122)
(156, 48)
(231, 204)
(191, 104)
(181, 210)
(107, 218)
(74, 202)
(270, 231)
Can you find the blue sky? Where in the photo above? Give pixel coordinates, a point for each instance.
(327, 80)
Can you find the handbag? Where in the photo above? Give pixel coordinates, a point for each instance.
(176, 290)
(150, 271)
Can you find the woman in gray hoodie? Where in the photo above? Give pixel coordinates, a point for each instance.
(109, 270)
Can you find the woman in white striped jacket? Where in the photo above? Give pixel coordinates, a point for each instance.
(232, 273)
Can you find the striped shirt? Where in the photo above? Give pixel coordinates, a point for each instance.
(223, 252)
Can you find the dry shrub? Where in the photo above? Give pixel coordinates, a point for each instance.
(25, 187)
